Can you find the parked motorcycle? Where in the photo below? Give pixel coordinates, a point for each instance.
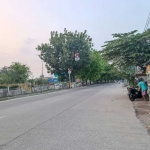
(134, 93)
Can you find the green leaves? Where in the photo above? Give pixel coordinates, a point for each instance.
(59, 53)
(127, 49)
(16, 73)
(98, 69)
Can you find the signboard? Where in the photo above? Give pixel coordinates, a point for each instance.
(76, 55)
(69, 71)
(55, 75)
(52, 80)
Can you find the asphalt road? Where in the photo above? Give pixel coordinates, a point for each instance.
(87, 118)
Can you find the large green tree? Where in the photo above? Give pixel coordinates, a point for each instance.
(128, 49)
(59, 53)
(98, 69)
(5, 75)
(94, 70)
(15, 73)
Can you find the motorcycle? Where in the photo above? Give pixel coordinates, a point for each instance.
(134, 93)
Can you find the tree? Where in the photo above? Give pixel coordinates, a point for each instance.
(95, 68)
(40, 81)
(128, 49)
(107, 72)
(98, 69)
(5, 75)
(59, 53)
(15, 73)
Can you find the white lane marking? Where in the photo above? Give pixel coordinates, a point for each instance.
(2, 117)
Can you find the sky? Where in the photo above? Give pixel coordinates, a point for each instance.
(24, 24)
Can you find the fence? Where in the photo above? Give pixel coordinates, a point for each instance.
(36, 89)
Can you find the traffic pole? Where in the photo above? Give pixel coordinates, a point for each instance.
(69, 72)
(69, 80)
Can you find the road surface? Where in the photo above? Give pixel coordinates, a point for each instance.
(87, 118)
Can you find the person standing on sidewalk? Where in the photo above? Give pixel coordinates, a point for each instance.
(143, 88)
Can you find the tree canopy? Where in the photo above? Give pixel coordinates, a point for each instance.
(95, 68)
(59, 53)
(15, 73)
(128, 49)
(98, 69)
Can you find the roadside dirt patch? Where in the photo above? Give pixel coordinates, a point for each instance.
(142, 109)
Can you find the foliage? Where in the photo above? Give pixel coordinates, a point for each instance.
(20, 72)
(95, 68)
(98, 69)
(14, 86)
(3, 86)
(128, 74)
(15, 73)
(59, 53)
(128, 49)
(10, 87)
(40, 81)
(5, 75)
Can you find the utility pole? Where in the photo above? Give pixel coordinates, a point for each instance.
(69, 72)
(147, 23)
(42, 68)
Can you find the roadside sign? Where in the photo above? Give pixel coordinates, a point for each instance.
(55, 75)
(52, 80)
(76, 55)
(69, 71)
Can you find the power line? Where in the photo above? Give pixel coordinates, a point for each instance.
(147, 23)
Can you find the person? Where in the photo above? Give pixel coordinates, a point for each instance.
(143, 87)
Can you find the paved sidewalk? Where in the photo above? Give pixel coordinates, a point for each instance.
(104, 121)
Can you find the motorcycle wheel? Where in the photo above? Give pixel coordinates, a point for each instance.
(131, 98)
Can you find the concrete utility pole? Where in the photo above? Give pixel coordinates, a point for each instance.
(69, 72)
(42, 75)
(42, 68)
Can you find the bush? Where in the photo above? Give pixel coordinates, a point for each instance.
(13, 87)
(3, 87)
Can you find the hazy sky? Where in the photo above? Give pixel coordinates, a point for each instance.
(24, 24)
